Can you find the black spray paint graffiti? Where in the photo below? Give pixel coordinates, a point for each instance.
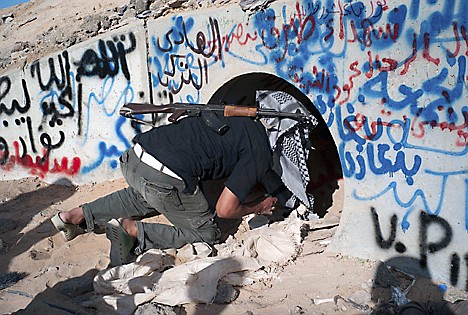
(425, 246)
(61, 99)
(61, 85)
(110, 59)
(22, 147)
(5, 87)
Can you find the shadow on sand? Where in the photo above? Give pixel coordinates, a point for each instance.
(16, 214)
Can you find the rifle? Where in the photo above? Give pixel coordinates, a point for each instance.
(206, 111)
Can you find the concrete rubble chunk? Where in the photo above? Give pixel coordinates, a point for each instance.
(91, 24)
(140, 5)
(122, 10)
(176, 3)
(154, 308)
(20, 46)
(7, 16)
(76, 286)
(361, 297)
(253, 5)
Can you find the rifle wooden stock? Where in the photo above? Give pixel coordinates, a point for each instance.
(243, 111)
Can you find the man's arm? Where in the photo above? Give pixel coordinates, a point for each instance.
(230, 207)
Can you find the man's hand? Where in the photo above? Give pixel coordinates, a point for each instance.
(267, 206)
(230, 207)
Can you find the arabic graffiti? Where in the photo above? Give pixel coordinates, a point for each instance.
(48, 118)
(389, 79)
(360, 63)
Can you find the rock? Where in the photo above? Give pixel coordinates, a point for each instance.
(385, 278)
(91, 24)
(160, 11)
(7, 18)
(130, 13)
(106, 23)
(5, 62)
(225, 294)
(297, 310)
(20, 46)
(176, 3)
(140, 5)
(360, 297)
(154, 309)
(39, 255)
(76, 286)
(253, 5)
(144, 14)
(156, 5)
(122, 10)
(17, 55)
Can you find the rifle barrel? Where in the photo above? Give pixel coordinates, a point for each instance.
(180, 109)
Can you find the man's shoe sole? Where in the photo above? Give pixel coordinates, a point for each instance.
(121, 243)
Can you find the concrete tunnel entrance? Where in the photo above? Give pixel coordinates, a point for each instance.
(324, 165)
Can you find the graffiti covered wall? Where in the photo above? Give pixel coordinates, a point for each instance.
(59, 115)
(390, 80)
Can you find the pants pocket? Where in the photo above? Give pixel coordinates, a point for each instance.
(123, 159)
(161, 196)
(198, 222)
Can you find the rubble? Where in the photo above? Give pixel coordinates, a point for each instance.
(61, 36)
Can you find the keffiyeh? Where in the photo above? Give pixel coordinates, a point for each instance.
(289, 140)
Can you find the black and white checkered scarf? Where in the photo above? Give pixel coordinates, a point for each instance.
(289, 140)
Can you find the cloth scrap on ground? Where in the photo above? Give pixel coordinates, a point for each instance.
(164, 277)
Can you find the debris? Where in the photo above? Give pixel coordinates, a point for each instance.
(253, 5)
(398, 297)
(122, 10)
(321, 301)
(362, 307)
(28, 21)
(19, 293)
(76, 286)
(140, 5)
(39, 255)
(7, 18)
(91, 24)
(360, 297)
(144, 14)
(297, 310)
(155, 308)
(176, 3)
(20, 46)
(256, 221)
(225, 293)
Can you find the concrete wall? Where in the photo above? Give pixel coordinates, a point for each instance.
(389, 79)
(59, 115)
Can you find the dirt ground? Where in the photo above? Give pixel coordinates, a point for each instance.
(57, 274)
(41, 273)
